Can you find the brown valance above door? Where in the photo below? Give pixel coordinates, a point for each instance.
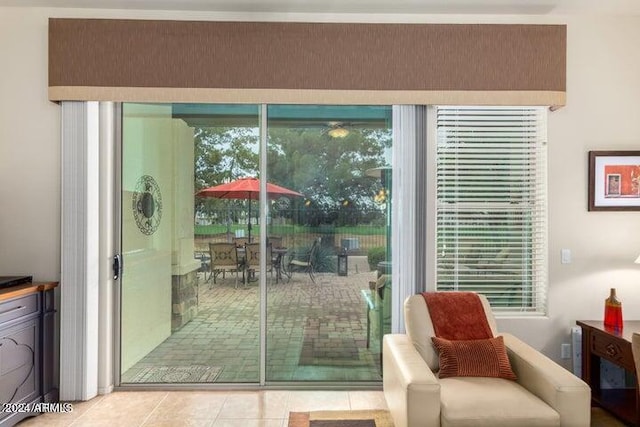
(277, 62)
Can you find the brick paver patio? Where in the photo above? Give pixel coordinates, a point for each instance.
(315, 332)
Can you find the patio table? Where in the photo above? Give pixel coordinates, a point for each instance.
(205, 260)
(279, 264)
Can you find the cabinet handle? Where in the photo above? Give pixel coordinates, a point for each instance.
(11, 310)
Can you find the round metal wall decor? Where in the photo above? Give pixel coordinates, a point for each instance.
(147, 204)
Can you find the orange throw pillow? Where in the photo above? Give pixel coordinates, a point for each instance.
(473, 358)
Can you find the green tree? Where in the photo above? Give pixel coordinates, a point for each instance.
(223, 154)
(330, 172)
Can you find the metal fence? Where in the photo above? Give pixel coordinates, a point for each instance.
(354, 236)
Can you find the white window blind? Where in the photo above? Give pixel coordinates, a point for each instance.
(492, 205)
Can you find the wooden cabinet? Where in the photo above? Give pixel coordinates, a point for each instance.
(600, 343)
(27, 330)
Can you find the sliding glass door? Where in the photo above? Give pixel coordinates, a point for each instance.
(323, 319)
(219, 245)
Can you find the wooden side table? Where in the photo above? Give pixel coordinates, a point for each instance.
(600, 343)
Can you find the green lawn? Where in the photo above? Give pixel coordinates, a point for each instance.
(283, 230)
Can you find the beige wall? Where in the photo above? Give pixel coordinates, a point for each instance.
(29, 152)
(602, 112)
(183, 208)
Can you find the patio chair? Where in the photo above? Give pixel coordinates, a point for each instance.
(240, 241)
(305, 261)
(224, 258)
(252, 259)
(276, 255)
(275, 241)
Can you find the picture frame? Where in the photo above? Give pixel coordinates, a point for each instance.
(614, 180)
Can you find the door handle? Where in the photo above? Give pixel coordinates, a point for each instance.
(117, 266)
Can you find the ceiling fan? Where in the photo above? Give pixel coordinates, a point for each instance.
(338, 130)
(334, 128)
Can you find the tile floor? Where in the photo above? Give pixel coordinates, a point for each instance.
(268, 408)
(306, 324)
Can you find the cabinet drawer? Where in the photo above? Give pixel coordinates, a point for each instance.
(18, 307)
(613, 349)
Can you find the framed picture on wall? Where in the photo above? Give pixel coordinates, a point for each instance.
(614, 180)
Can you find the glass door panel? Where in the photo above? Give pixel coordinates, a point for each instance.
(189, 313)
(325, 307)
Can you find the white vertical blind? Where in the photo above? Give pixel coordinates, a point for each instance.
(492, 205)
(408, 210)
(79, 292)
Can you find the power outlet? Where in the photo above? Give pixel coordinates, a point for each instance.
(565, 351)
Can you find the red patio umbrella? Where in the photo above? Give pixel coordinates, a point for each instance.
(246, 188)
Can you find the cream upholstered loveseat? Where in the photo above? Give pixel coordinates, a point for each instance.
(545, 394)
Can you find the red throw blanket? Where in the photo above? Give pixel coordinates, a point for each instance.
(457, 315)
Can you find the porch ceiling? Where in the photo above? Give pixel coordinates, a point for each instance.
(211, 115)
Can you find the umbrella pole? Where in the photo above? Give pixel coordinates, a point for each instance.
(228, 224)
(249, 223)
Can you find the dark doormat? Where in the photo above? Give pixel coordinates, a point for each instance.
(372, 418)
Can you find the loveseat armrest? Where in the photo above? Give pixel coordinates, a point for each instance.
(559, 388)
(411, 390)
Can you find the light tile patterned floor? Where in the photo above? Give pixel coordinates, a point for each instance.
(306, 323)
(269, 408)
